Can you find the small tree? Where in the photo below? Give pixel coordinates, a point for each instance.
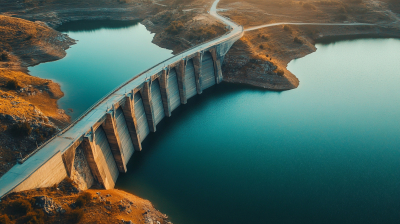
(21, 129)
(20, 207)
(297, 40)
(174, 28)
(4, 56)
(12, 84)
(74, 216)
(83, 199)
(279, 72)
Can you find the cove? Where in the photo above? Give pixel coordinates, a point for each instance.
(107, 54)
(326, 152)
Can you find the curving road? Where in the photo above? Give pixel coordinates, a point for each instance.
(315, 24)
(67, 137)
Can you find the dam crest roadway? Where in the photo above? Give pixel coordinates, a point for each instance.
(105, 137)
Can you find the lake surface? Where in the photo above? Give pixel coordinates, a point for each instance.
(326, 152)
(107, 54)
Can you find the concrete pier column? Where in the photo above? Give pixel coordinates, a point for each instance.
(110, 129)
(165, 93)
(217, 66)
(180, 72)
(68, 157)
(129, 112)
(97, 166)
(197, 69)
(148, 106)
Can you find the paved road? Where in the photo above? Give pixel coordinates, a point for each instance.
(67, 137)
(315, 24)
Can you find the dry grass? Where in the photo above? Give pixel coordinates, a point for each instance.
(14, 31)
(23, 78)
(117, 205)
(44, 99)
(15, 106)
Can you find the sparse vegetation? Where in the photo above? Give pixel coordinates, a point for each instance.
(341, 17)
(21, 129)
(83, 199)
(287, 28)
(261, 46)
(4, 219)
(4, 56)
(297, 40)
(308, 5)
(204, 32)
(75, 216)
(34, 217)
(174, 28)
(19, 207)
(12, 84)
(279, 72)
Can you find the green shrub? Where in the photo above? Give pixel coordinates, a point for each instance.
(74, 216)
(4, 219)
(12, 84)
(20, 207)
(83, 199)
(21, 129)
(261, 46)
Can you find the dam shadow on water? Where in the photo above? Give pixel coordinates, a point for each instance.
(326, 152)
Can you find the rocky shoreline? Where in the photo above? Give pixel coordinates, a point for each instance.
(65, 203)
(258, 59)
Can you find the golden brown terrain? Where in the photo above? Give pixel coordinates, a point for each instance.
(178, 25)
(274, 47)
(66, 204)
(28, 105)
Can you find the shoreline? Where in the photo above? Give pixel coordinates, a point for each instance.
(271, 64)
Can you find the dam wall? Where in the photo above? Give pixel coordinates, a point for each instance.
(98, 146)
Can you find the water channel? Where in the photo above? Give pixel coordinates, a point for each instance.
(326, 152)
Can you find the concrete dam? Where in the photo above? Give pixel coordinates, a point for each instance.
(97, 146)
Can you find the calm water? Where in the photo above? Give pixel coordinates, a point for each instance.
(107, 54)
(327, 152)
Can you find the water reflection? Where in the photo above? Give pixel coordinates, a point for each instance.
(93, 25)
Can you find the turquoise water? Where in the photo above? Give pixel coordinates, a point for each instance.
(326, 152)
(107, 54)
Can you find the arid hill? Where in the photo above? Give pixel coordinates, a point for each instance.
(28, 105)
(260, 50)
(64, 204)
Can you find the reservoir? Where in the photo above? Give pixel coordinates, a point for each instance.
(326, 152)
(107, 54)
